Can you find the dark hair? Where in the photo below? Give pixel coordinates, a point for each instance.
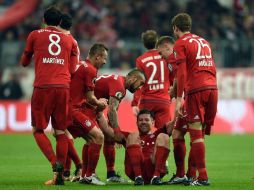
(66, 21)
(97, 49)
(165, 39)
(149, 39)
(145, 111)
(136, 72)
(182, 21)
(52, 16)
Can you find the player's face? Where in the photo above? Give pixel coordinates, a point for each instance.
(145, 123)
(101, 59)
(165, 50)
(136, 83)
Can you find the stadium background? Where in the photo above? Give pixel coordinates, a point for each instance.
(227, 24)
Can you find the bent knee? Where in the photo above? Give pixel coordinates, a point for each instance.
(176, 134)
(162, 139)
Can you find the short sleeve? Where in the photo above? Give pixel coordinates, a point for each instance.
(116, 89)
(138, 64)
(29, 49)
(179, 52)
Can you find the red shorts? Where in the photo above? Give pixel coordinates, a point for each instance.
(161, 111)
(202, 107)
(50, 102)
(147, 169)
(83, 121)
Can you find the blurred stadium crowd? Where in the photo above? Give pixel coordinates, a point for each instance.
(227, 24)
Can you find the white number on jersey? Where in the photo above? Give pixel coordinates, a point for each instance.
(201, 45)
(154, 66)
(54, 43)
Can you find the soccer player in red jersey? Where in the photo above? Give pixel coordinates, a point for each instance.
(65, 25)
(146, 151)
(52, 52)
(154, 94)
(113, 88)
(196, 75)
(84, 120)
(165, 47)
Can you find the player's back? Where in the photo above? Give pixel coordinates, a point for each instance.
(157, 75)
(201, 70)
(52, 54)
(110, 85)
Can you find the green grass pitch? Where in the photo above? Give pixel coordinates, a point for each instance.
(230, 163)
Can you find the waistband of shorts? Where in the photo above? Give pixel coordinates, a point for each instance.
(162, 101)
(214, 87)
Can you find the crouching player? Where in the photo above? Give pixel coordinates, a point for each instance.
(146, 151)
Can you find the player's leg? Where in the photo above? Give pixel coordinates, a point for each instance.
(159, 158)
(109, 154)
(73, 155)
(195, 110)
(135, 155)
(42, 107)
(178, 134)
(96, 139)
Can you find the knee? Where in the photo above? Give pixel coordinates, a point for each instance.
(99, 138)
(162, 140)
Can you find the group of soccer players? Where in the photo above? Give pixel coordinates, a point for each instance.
(68, 90)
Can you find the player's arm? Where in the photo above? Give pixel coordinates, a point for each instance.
(28, 52)
(74, 57)
(112, 113)
(91, 99)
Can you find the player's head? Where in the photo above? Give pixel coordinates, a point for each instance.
(149, 39)
(134, 80)
(181, 23)
(145, 121)
(66, 21)
(98, 55)
(52, 16)
(165, 46)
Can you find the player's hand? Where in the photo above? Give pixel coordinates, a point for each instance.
(135, 110)
(179, 108)
(102, 104)
(118, 146)
(170, 126)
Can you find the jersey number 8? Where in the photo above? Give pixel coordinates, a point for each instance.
(54, 43)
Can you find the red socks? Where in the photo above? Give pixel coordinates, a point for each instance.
(109, 154)
(199, 149)
(84, 159)
(135, 155)
(161, 156)
(179, 155)
(44, 143)
(191, 164)
(93, 158)
(73, 153)
(198, 153)
(67, 166)
(61, 148)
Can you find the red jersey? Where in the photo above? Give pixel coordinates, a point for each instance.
(82, 81)
(172, 66)
(54, 52)
(157, 75)
(110, 85)
(75, 59)
(147, 141)
(200, 69)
